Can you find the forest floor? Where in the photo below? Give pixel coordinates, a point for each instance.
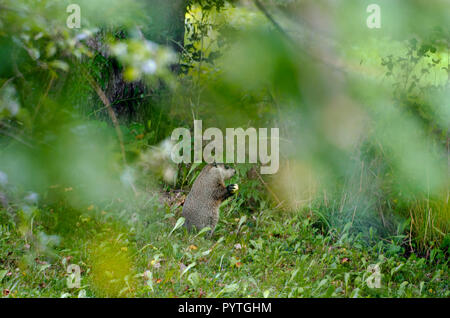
(139, 249)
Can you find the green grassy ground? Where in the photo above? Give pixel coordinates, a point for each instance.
(137, 248)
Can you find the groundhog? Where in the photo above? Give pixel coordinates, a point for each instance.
(201, 207)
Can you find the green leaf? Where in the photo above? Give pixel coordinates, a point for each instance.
(229, 289)
(294, 273)
(179, 224)
(204, 230)
(187, 269)
(241, 221)
(194, 278)
(3, 273)
(60, 65)
(395, 270)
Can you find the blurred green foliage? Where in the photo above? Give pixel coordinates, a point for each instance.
(85, 174)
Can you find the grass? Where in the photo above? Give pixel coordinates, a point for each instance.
(136, 248)
(430, 222)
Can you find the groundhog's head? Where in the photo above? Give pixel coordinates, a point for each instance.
(225, 171)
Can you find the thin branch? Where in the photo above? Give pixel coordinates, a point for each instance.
(277, 26)
(7, 82)
(113, 116)
(16, 138)
(263, 9)
(118, 101)
(111, 112)
(268, 188)
(36, 111)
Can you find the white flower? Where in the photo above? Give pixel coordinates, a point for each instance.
(81, 36)
(149, 66)
(120, 49)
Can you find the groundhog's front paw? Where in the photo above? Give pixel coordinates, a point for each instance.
(233, 188)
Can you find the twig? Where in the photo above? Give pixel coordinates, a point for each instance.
(268, 188)
(111, 112)
(16, 138)
(7, 82)
(263, 9)
(113, 116)
(118, 101)
(36, 111)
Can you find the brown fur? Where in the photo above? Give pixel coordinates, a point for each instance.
(201, 207)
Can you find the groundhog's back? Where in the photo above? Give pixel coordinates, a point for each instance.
(200, 208)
